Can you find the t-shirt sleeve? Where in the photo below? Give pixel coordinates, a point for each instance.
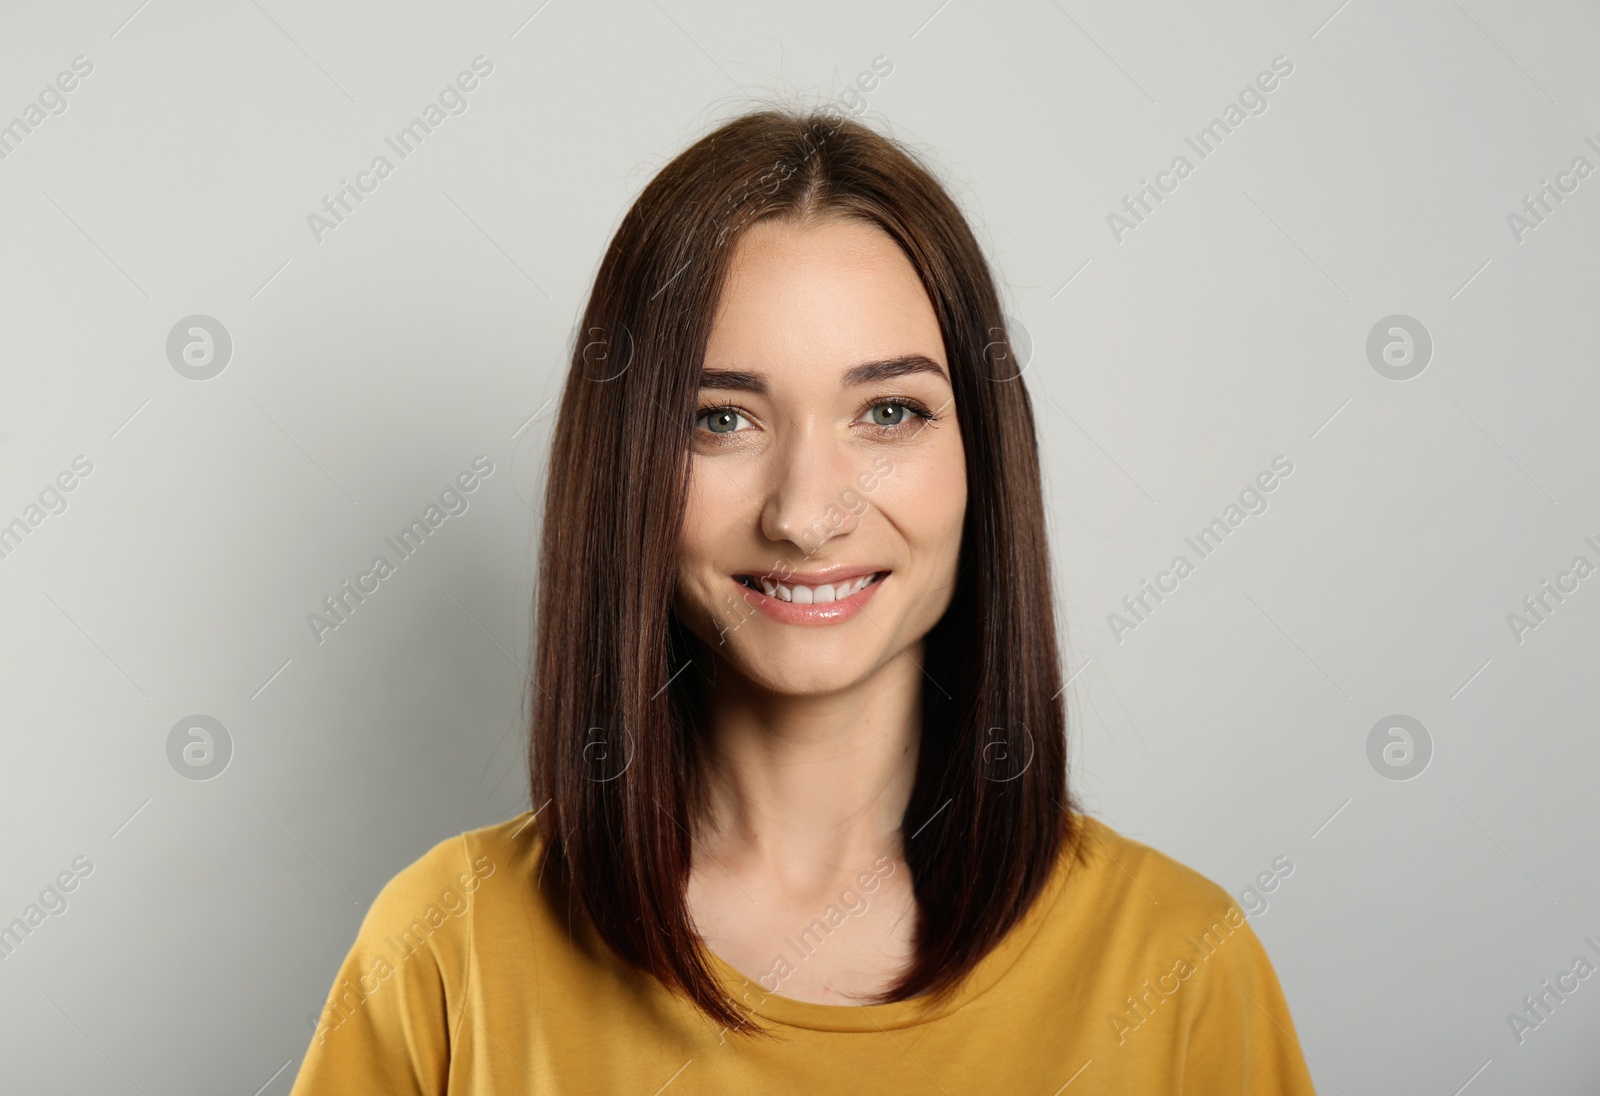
(386, 1027)
(1242, 1039)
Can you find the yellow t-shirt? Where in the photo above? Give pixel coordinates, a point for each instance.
(1131, 974)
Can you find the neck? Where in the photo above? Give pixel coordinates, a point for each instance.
(809, 788)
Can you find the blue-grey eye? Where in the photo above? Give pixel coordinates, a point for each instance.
(888, 414)
(721, 420)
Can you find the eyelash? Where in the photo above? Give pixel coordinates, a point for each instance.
(916, 407)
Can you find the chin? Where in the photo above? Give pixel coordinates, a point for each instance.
(804, 669)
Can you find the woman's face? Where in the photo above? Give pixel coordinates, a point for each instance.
(826, 455)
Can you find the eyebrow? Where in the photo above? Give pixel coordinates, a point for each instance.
(743, 380)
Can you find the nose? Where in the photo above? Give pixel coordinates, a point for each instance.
(812, 495)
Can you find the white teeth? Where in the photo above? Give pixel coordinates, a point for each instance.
(815, 595)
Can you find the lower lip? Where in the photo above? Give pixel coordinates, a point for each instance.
(829, 612)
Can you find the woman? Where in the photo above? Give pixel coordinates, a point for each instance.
(798, 742)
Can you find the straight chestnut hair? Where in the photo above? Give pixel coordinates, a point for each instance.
(617, 726)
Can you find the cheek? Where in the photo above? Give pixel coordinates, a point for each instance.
(948, 507)
(692, 541)
(701, 510)
(943, 504)
(946, 498)
(709, 518)
(926, 498)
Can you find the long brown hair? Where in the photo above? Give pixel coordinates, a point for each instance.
(616, 721)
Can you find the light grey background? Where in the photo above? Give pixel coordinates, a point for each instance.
(1229, 728)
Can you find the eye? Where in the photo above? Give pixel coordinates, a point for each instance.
(720, 420)
(892, 416)
(888, 413)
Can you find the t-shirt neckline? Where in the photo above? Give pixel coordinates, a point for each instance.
(792, 1012)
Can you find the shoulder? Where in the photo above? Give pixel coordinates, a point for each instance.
(1172, 947)
(1151, 903)
(1129, 869)
(454, 861)
(443, 884)
(431, 905)
(1155, 919)
(513, 843)
(403, 976)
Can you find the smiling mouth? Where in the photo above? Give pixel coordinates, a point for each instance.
(820, 594)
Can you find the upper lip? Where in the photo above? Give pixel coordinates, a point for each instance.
(839, 572)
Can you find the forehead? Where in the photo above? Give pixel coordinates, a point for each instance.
(820, 297)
